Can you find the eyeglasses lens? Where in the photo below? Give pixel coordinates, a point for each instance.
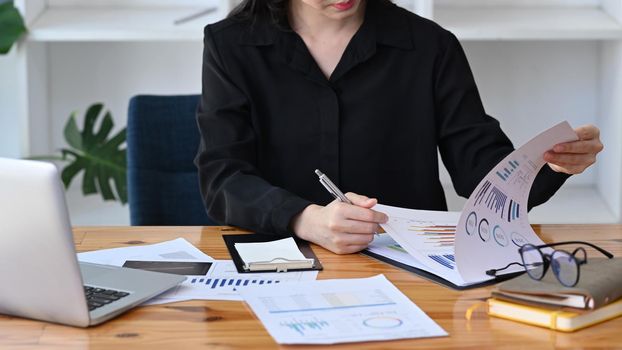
(533, 260)
(565, 268)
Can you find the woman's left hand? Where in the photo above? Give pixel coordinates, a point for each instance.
(576, 156)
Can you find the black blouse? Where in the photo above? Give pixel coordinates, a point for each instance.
(402, 90)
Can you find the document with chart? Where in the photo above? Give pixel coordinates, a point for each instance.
(206, 278)
(494, 223)
(458, 247)
(222, 281)
(339, 311)
(422, 239)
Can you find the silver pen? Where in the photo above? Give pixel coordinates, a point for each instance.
(331, 187)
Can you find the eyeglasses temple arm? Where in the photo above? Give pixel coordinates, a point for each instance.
(606, 253)
(493, 272)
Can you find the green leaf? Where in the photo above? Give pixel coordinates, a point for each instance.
(88, 180)
(69, 172)
(104, 129)
(104, 185)
(88, 137)
(102, 160)
(11, 26)
(72, 134)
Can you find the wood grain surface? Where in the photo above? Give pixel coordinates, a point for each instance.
(232, 325)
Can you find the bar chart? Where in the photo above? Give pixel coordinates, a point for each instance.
(230, 283)
(302, 326)
(508, 169)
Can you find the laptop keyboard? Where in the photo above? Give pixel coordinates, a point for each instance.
(98, 297)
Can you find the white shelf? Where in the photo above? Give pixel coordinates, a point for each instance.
(47, 88)
(468, 23)
(120, 24)
(528, 23)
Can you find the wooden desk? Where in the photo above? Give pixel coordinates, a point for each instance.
(229, 324)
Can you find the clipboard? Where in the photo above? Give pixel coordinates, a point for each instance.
(436, 279)
(305, 249)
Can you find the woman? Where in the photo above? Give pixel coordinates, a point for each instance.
(361, 89)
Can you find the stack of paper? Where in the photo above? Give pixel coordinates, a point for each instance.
(279, 255)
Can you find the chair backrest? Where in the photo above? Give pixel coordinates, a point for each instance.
(162, 141)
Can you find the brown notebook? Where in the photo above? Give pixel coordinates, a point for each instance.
(600, 283)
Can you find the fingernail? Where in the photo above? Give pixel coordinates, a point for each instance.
(558, 148)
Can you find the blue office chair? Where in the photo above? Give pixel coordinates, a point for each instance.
(162, 141)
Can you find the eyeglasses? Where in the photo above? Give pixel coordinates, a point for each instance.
(565, 265)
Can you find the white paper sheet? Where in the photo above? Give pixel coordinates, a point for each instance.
(383, 244)
(426, 235)
(223, 282)
(339, 311)
(494, 223)
(177, 249)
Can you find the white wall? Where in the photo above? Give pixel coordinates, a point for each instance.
(529, 86)
(9, 114)
(83, 73)
(610, 175)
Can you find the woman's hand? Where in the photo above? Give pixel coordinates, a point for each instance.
(340, 227)
(576, 156)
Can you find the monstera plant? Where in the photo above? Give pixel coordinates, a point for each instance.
(11, 26)
(99, 157)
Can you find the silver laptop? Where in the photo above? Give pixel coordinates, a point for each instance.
(40, 276)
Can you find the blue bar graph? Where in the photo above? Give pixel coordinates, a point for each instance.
(442, 260)
(507, 171)
(230, 283)
(513, 211)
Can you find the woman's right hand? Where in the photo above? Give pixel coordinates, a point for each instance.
(340, 227)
